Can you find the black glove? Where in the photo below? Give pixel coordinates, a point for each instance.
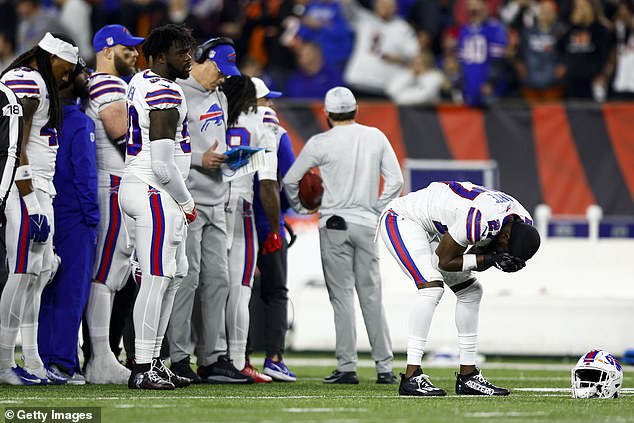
(504, 261)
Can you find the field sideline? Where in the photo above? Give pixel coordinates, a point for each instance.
(539, 393)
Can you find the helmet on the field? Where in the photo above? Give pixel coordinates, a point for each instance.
(597, 374)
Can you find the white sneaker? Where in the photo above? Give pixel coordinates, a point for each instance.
(106, 369)
(76, 379)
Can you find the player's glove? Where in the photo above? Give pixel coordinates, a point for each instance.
(504, 261)
(39, 228)
(272, 244)
(189, 209)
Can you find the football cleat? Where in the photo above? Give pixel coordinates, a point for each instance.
(167, 374)
(344, 378)
(419, 385)
(149, 380)
(386, 378)
(258, 377)
(278, 371)
(106, 369)
(223, 371)
(39, 373)
(476, 384)
(184, 369)
(18, 376)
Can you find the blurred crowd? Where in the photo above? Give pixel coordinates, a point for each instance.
(411, 51)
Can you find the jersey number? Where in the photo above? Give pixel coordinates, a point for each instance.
(475, 49)
(464, 192)
(51, 133)
(238, 137)
(133, 135)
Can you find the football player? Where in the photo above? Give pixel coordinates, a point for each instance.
(247, 127)
(153, 197)
(440, 235)
(116, 57)
(33, 77)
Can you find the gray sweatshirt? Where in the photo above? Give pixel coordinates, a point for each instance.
(207, 122)
(351, 159)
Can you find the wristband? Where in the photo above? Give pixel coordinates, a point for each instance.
(23, 172)
(469, 262)
(31, 203)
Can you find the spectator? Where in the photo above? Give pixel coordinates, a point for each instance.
(481, 50)
(76, 219)
(538, 64)
(74, 15)
(8, 22)
(623, 84)
(6, 50)
(519, 14)
(585, 47)
(313, 78)
(33, 22)
(452, 83)
(324, 23)
(384, 44)
(421, 83)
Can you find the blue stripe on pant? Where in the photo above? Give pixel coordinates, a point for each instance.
(64, 299)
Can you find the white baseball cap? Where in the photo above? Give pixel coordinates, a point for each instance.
(262, 91)
(340, 100)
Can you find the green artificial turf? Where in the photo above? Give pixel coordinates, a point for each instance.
(539, 393)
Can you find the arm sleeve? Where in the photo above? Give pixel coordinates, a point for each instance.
(83, 159)
(165, 169)
(10, 138)
(306, 160)
(267, 141)
(392, 176)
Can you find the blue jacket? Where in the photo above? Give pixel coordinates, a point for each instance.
(285, 159)
(76, 171)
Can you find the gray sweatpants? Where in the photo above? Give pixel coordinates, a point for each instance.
(350, 261)
(208, 281)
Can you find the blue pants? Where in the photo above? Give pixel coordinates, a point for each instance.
(64, 299)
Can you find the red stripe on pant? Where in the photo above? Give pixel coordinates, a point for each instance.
(22, 259)
(249, 245)
(401, 250)
(158, 233)
(113, 231)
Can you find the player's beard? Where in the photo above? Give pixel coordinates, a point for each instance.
(122, 67)
(175, 72)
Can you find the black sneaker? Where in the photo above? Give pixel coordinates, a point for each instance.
(183, 369)
(162, 370)
(222, 371)
(419, 385)
(346, 378)
(476, 384)
(149, 380)
(386, 378)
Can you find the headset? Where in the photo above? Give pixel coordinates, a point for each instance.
(201, 52)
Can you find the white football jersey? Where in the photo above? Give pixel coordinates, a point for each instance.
(255, 129)
(105, 89)
(148, 91)
(472, 214)
(41, 148)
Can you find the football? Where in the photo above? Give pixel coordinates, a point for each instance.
(311, 190)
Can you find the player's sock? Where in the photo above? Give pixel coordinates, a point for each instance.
(29, 325)
(98, 313)
(146, 316)
(11, 313)
(237, 321)
(467, 316)
(420, 319)
(166, 312)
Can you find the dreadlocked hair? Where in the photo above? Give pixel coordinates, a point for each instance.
(162, 38)
(43, 60)
(240, 93)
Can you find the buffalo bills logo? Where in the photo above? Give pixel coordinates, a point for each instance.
(153, 191)
(214, 114)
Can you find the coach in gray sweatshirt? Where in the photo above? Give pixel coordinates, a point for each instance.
(206, 246)
(351, 159)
